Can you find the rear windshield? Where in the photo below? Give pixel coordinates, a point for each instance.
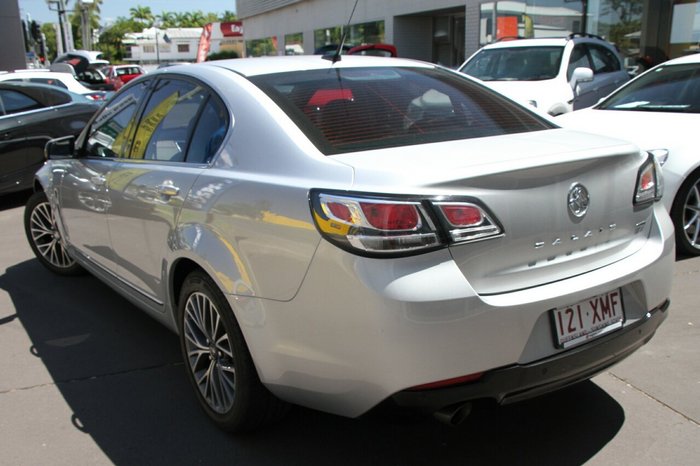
(349, 109)
(515, 64)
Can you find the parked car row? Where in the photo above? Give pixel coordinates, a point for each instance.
(31, 115)
(344, 233)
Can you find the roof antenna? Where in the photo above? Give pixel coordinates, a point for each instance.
(336, 56)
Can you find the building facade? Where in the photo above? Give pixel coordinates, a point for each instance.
(448, 31)
(153, 46)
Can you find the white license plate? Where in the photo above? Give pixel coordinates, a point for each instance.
(588, 319)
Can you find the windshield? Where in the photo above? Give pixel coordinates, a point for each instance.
(349, 109)
(515, 64)
(673, 88)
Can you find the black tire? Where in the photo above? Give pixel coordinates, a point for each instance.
(217, 360)
(685, 214)
(45, 238)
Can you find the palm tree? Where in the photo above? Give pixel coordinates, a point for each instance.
(228, 16)
(168, 19)
(142, 14)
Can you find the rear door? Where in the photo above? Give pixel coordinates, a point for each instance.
(169, 149)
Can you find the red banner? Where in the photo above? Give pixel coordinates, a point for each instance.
(232, 29)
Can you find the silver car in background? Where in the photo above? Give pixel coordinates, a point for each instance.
(343, 234)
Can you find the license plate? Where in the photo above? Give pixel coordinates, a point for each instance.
(588, 319)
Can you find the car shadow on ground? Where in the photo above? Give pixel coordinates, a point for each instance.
(12, 200)
(120, 373)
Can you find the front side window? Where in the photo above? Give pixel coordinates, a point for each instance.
(349, 109)
(515, 64)
(168, 121)
(674, 88)
(111, 129)
(578, 59)
(603, 59)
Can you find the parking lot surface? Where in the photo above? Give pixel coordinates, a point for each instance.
(89, 379)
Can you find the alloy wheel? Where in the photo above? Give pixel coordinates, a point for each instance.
(691, 216)
(46, 237)
(209, 352)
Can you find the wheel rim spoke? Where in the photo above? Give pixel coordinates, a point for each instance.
(209, 352)
(45, 236)
(691, 216)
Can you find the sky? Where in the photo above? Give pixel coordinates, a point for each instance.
(112, 9)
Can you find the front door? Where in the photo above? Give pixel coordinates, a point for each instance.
(149, 187)
(85, 198)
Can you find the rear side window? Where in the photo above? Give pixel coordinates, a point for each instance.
(168, 120)
(16, 102)
(209, 133)
(50, 82)
(349, 109)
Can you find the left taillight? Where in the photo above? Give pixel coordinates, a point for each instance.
(377, 225)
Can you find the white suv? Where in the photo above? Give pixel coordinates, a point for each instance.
(555, 75)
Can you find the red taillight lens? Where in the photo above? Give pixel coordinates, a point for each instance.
(649, 182)
(340, 211)
(462, 215)
(391, 216)
(386, 225)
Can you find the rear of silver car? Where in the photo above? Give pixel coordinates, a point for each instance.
(561, 276)
(520, 261)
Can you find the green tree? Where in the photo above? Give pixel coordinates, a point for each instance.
(110, 43)
(143, 15)
(167, 19)
(228, 16)
(49, 31)
(76, 21)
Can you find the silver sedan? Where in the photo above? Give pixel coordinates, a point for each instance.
(343, 234)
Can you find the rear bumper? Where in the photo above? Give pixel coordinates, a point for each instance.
(520, 382)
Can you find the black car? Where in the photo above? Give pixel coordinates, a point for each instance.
(30, 115)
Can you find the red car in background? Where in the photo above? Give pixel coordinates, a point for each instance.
(118, 75)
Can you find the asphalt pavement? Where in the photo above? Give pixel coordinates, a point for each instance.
(86, 378)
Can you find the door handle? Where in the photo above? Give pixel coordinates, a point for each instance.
(167, 189)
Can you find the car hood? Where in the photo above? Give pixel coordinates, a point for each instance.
(546, 93)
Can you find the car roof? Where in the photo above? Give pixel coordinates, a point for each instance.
(546, 42)
(281, 64)
(694, 58)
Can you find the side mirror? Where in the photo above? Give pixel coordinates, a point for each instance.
(60, 148)
(580, 75)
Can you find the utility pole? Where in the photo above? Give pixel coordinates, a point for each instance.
(86, 32)
(66, 36)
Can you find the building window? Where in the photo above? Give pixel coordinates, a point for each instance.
(183, 48)
(363, 33)
(261, 47)
(528, 18)
(294, 44)
(149, 49)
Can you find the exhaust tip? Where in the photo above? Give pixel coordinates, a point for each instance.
(453, 415)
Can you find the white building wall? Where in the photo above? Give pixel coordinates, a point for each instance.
(308, 15)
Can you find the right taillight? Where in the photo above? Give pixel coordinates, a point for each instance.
(650, 185)
(383, 226)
